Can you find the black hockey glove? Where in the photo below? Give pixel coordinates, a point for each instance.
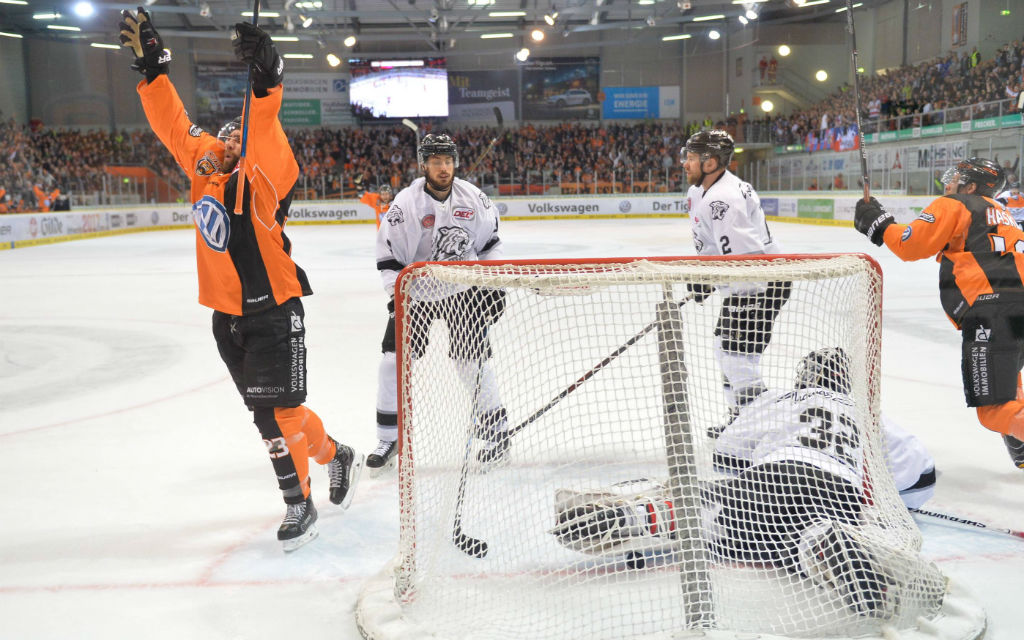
(253, 46)
(700, 292)
(871, 219)
(138, 32)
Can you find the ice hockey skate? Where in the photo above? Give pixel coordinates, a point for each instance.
(1016, 449)
(382, 458)
(834, 560)
(494, 432)
(299, 525)
(344, 471)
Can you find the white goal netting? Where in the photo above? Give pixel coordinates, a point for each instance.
(588, 451)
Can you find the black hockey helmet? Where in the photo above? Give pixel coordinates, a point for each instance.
(440, 144)
(985, 174)
(229, 128)
(715, 143)
(827, 368)
(385, 188)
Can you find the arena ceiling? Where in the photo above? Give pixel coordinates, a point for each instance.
(430, 25)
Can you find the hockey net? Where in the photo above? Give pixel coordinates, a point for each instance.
(610, 377)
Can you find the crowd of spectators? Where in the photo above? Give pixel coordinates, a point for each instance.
(909, 96)
(37, 160)
(343, 162)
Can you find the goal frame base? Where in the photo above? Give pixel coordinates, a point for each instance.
(379, 616)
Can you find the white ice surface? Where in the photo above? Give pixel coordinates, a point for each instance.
(137, 497)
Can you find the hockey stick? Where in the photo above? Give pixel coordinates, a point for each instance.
(478, 548)
(245, 119)
(856, 101)
(588, 375)
(971, 523)
(469, 546)
(501, 121)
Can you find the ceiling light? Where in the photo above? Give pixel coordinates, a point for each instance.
(306, 21)
(767, 106)
(651, 21)
(350, 41)
(12, 35)
(522, 54)
(537, 35)
(333, 60)
(263, 14)
(717, 16)
(645, 2)
(45, 16)
(550, 18)
(855, 5)
(101, 45)
(84, 9)
(681, 36)
(784, 50)
(285, 38)
(60, 27)
(22, 2)
(507, 14)
(811, 3)
(751, 14)
(714, 35)
(489, 36)
(743, 20)
(298, 56)
(204, 10)
(821, 75)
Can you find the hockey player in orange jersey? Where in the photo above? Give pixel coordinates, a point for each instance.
(246, 274)
(980, 250)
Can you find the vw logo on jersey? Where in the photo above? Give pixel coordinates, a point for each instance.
(213, 223)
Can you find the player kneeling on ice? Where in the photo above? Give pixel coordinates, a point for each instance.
(441, 218)
(246, 273)
(797, 500)
(981, 286)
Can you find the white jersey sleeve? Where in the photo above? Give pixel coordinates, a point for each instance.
(911, 466)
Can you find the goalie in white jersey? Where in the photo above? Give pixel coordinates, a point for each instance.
(796, 500)
(727, 219)
(441, 217)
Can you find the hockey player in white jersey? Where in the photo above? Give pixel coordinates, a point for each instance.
(795, 501)
(1013, 200)
(441, 217)
(727, 219)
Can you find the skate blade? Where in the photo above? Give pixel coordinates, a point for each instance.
(291, 545)
(376, 472)
(354, 473)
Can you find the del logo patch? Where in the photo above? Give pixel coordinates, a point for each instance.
(463, 214)
(212, 221)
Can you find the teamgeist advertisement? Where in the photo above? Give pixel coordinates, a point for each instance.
(561, 89)
(472, 95)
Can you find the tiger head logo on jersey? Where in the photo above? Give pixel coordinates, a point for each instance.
(718, 209)
(394, 215)
(208, 164)
(451, 243)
